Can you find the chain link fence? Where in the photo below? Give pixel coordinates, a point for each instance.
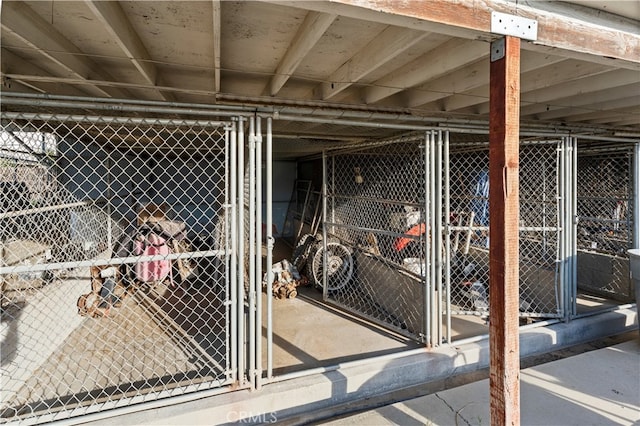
(376, 260)
(374, 257)
(605, 222)
(114, 262)
(468, 251)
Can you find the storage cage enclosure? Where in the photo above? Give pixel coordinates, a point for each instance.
(407, 231)
(466, 190)
(115, 262)
(375, 249)
(605, 212)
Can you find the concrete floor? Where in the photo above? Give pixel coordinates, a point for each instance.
(135, 347)
(568, 391)
(309, 332)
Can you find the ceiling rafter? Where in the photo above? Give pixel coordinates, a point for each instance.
(532, 79)
(12, 63)
(556, 75)
(562, 106)
(385, 46)
(563, 89)
(626, 121)
(610, 116)
(597, 110)
(469, 78)
(312, 28)
(216, 31)
(446, 58)
(45, 39)
(115, 21)
(558, 34)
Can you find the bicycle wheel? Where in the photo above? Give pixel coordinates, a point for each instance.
(339, 266)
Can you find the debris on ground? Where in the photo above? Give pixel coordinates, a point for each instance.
(286, 280)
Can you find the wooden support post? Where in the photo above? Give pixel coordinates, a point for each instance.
(504, 143)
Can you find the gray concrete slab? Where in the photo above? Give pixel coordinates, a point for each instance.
(594, 388)
(297, 398)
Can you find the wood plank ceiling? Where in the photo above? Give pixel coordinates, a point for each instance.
(423, 58)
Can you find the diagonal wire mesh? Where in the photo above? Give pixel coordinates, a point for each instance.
(605, 225)
(114, 246)
(539, 229)
(375, 252)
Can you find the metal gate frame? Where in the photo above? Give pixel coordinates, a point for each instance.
(412, 314)
(605, 217)
(15, 125)
(463, 230)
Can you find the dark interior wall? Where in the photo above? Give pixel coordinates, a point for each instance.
(284, 177)
(312, 171)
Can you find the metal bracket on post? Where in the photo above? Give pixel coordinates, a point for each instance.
(512, 25)
(497, 49)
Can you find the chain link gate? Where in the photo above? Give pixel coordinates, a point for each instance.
(116, 248)
(467, 233)
(605, 221)
(374, 256)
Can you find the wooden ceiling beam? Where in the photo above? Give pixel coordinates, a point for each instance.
(469, 78)
(628, 106)
(562, 32)
(45, 39)
(115, 21)
(14, 64)
(385, 46)
(562, 104)
(217, 50)
(444, 59)
(312, 28)
(614, 116)
(532, 79)
(556, 75)
(633, 121)
(582, 86)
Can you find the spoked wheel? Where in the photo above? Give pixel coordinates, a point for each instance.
(339, 266)
(302, 251)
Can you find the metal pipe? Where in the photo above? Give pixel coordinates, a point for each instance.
(24, 212)
(40, 267)
(241, 258)
(636, 196)
(314, 108)
(251, 339)
(139, 102)
(325, 292)
(132, 405)
(228, 307)
(561, 217)
(258, 336)
(374, 124)
(447, 210)
(231, 226)
(429, 199)
(116, 120)
(438, 236)
(270, 244)
(573, 224)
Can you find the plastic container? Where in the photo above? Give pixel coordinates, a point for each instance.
(415, 265)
